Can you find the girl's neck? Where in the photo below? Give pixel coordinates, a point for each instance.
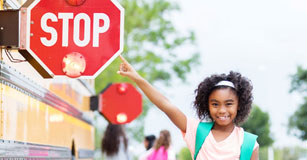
(228, 128)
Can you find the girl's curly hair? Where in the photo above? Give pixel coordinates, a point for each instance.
(243, 91)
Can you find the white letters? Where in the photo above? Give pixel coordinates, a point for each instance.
(97, 29)
(66, 17)
(87, 29)
(52, 31)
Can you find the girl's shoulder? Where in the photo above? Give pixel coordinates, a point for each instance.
(239, 132)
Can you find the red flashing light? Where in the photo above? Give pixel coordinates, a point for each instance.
(122, 88)
(73, 64)
(75, 2)
(121, 118)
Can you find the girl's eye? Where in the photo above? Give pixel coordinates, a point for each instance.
(229, 104)
(214, 104)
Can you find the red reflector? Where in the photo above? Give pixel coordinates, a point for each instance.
(73, 64)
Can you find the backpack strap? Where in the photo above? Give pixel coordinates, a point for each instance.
(203, 130)
(247, 147)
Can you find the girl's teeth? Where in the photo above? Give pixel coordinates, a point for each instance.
(223, 118)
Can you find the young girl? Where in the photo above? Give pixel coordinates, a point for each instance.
(161, 149)
(149, 141)
(224, 99)
(114, 143)
(148, 144)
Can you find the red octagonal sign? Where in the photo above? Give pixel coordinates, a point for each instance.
(120, 103)
(77, 38)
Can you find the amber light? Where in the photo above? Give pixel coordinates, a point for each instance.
(73, 64)
(121, 118)
(75, 2)
(122, 88)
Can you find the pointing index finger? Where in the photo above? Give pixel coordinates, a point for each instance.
(123, 59)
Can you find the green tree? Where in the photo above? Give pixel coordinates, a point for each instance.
(258, 123)
(298, 121)
(154, 47)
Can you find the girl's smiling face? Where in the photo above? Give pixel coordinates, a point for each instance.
(223, 106)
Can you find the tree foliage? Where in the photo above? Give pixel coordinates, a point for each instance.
(258, 123)
(290, 153)
(299, 81)
(298, 121)
(153, 46)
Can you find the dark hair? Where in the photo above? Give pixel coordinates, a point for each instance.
(163, 140)
(150, 139)
(243, 89)
(111, 139)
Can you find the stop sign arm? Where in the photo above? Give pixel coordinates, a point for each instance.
(156, 97)
(35, 64)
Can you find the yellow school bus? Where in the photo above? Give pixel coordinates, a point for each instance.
(42, 118)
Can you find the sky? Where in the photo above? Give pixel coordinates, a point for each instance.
(264, 40)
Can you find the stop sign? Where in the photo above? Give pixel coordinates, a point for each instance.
(77, 38)
(120, 103)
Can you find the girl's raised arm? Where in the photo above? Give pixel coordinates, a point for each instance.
(176, 116)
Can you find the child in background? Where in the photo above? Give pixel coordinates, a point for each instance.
(224, 99)
(148, 144)
(161, 149)
(149, 141)
(114, 143)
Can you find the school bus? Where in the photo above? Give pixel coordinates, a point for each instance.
(42, 118)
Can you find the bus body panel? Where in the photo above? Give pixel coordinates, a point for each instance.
(43, 117)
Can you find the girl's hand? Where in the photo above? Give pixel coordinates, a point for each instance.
(126, 69)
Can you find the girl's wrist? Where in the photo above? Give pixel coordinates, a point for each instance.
(138, 79)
